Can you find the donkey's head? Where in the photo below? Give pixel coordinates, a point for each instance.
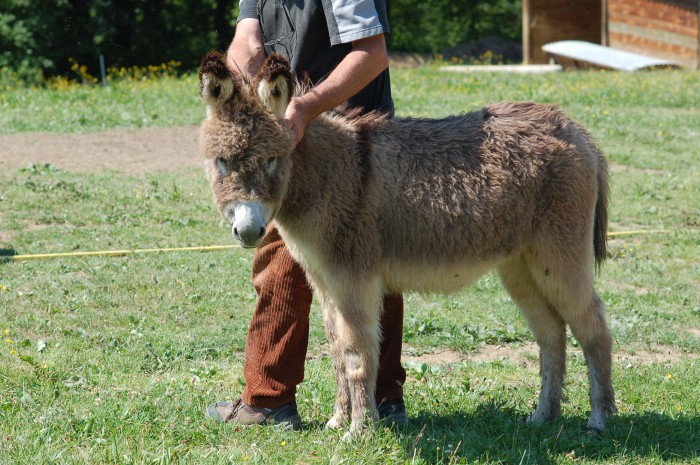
(245, 142)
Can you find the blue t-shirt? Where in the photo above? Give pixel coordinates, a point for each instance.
(316, 35)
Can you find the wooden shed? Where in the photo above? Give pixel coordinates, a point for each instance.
(667, 29)
(546, 21)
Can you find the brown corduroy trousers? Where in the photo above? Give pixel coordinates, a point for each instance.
(279, 333)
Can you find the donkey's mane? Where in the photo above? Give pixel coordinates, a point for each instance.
(356, 117)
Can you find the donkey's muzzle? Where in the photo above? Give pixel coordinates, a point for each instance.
(249, 238)
(248, 225)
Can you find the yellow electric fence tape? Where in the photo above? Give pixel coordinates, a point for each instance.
(118, 253)
(210, 248)
(637, 232)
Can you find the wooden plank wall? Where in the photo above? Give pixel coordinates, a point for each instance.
(666, 29)
(546, 21)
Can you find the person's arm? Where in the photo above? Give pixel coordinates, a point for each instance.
(246, 52)
(367, 59)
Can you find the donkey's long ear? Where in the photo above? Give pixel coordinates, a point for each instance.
(216, 84)
(275, 84)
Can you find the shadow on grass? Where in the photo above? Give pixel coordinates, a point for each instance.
(7, 252)
(501, 435)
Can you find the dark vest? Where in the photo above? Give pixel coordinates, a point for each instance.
(299, 31)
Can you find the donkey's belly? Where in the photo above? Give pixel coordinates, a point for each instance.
(432, 278)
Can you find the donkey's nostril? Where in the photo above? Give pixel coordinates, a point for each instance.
(235, 233)
(262, 232)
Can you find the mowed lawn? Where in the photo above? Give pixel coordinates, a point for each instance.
(114, 359)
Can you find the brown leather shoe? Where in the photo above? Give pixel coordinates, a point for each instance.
(239, 413)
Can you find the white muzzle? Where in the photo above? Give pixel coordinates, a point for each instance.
(248, 225)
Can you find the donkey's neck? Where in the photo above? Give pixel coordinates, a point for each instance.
(329, 147)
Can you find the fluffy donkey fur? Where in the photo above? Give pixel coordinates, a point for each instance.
(369, 205)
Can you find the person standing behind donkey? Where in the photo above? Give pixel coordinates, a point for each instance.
(340, 45)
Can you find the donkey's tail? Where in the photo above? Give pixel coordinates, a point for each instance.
(600, 225)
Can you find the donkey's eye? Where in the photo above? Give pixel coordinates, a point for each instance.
(222, 165)
(270, 164)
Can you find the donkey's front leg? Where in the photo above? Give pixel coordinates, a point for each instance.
(358, 332)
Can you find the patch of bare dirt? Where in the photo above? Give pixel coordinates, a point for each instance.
(656, 353)
(132, 151)
(616, 167)
(527, 355)
(617, 226)
(439, 357)
(29, 226)
(638, 290)
(619, 168)
(521, 354)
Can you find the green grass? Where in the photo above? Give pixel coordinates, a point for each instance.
(167, 101)
(114, 359)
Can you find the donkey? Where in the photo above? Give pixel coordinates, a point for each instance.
(369, 205)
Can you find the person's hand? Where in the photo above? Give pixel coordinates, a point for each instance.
(296, 117)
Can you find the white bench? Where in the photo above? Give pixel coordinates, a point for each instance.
(580, 54)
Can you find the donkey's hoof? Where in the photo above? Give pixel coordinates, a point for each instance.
(359, 427)
(541, 416)
(355, 431)
(535, 418)
(596, 423)
(337, 421)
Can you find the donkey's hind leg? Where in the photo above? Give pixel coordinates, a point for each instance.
(567, 282)
(549, 331)
(592, 333)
